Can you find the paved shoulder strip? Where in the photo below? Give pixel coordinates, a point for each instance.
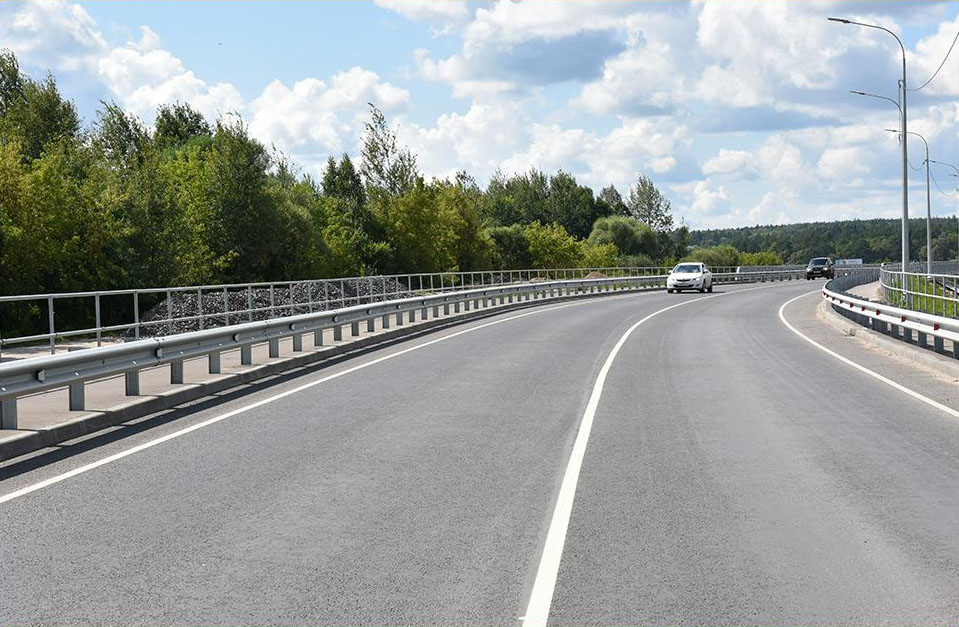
(871, 373)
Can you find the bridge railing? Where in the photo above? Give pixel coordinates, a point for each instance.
(907, 324)
(935, 292)
(74, 369)
(131, 314)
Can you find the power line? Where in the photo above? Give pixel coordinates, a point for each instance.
(952, 193)
(954, 39)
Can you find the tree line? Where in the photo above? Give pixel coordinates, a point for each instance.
(873, 241)
(117, 204)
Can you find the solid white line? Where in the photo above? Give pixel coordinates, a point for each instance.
(541, 597)
(871, 373)
(206, 423)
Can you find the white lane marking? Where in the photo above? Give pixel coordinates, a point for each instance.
(871, 373)
(206, 423)
(541, 597)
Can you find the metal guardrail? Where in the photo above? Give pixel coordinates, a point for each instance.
(936, 293)
(914, 327)
(210, 305)
(74, 369)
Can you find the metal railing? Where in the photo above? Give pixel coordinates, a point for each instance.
(935, 293)
(74, 369)
(136, 313)
(909, 325)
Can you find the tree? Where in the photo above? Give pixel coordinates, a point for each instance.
(385, 167)
(179, 123)
(120, 136)
(612, 201)
(716, 256)
(629, 235)
(648, 205)
(572, 205)
(550, 246)
(34, 112)
(511, 247)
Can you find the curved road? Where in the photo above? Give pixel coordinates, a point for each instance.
(734, 474)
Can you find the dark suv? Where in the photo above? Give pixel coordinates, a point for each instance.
(820, 266)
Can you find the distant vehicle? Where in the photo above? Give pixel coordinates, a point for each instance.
(820, 266)
(689, 276)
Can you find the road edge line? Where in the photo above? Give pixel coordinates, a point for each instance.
(925, 399)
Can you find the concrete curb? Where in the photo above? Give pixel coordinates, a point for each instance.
(921, 357)
(144, 406)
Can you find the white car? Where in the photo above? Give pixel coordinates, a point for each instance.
(689, 276)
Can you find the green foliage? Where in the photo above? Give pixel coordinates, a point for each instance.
(510, 246)
(764, 258)
(386, 168)
(648, 205)
(550, 246)
(598, 256)
(629, 235)
(715, 256)
(873, 241)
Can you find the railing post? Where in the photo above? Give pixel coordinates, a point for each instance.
(176, 371)
(274, 344)
(246, 355)
(297, 342)
(355, 328)
(8, 413)
(338, 333)
(386, 321)
(131, 382)
(370, 325)
(318, 337)
(213, 362)
(53, 331)
(96, 305)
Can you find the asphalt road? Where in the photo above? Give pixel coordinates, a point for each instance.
(734, 475)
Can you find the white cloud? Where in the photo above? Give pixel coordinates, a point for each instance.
(54, 35)
(729, 162)
(927, 56)
(428, 10)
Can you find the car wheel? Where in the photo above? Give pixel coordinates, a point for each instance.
(702, 290)
(669, 291)
(710, 288)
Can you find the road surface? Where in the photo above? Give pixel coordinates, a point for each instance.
(733, 474)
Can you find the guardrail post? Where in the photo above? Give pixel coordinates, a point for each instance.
(338, 333)
(921, 339)
(131, 382)
(318, 337)
(386, 321)
(8, 413)
(937, 344)
(297, 342)
(213, 362)
(246, 355)
(370, 325)
(446, 309)
(399, 318)
(53, 332)
(436, 311)
(77, 397)
(466, 305)
(355, 328)
(425, 314)
(176, 371)
(456, 307)
(274, 344)
(412, 315)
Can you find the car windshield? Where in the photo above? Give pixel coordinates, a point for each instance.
(687, 267)
(818, 262)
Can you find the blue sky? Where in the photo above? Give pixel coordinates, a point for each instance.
(739, 111)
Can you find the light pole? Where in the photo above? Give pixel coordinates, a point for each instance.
(928, 202)
(905, 158)
(957, 182)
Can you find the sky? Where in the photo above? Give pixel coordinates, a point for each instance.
(740, 112)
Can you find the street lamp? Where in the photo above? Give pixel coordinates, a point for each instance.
(928, 203)
(905, 158)
(957, 182)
